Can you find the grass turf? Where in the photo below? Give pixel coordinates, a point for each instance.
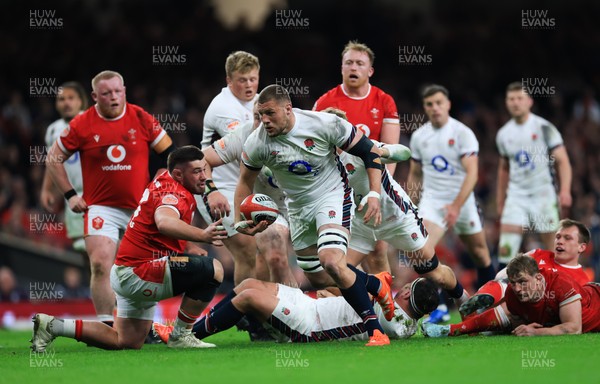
(497, 359)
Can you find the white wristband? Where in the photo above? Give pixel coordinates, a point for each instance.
(363, 201)
(240, 225)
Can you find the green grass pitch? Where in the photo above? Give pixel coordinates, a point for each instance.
(480, 359)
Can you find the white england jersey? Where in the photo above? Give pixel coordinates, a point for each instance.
(224, 115)
(74, 221)
(73, 163)
(300, 318)
(440, 150)
(527, 148)
(229, 149)
(392, 194)
(304, 160)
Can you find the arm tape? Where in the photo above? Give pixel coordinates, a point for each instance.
(362, 149)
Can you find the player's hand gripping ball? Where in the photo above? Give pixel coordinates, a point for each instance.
(258, 207)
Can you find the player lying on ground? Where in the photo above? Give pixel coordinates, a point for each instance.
(570, 241)
(542, 301)
(293, 316)
(150, 265)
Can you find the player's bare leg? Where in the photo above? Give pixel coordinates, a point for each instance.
(435, 232)
(332, 247)
(261, 270)
(377, 261)
(102, 251)
(273, 245)
(480, 254)
(355, 257)
(126, 334)
(243, 249)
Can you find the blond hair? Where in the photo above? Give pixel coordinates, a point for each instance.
(240, 61)
(354, 45)
(105, 75)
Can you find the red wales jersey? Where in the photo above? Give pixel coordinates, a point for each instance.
(114, 154)
(545, 259)
(367, 113)
(142, 241)
(560, 290)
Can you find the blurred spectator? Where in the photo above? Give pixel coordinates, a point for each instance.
(9, 290)
(72, 287)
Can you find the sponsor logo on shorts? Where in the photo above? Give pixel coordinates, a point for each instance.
(97, 222)
(414, 236)
(285, 311)
(332, 214)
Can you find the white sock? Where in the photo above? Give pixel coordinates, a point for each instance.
(105, 318)
(180, 328)
(62, 327)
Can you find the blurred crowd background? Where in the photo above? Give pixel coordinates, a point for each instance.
(475, 48)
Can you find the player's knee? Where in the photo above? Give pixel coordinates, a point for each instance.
(332, 265)
(99, 268)
(249, 283)
(246, 300)
(218, 267)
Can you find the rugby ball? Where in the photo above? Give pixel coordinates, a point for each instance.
(258, 207)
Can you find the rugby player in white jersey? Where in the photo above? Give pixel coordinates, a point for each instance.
(401, 225)
(70, 101)
(293, 316)
(299, 148)
(444, 162)
(227, 111)
(272, 244)
(526, 197)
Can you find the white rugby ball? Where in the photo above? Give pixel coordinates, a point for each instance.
(258, 207)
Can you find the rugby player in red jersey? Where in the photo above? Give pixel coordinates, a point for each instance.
(151, 265)
(369, 109)
(539, 301)
(113, 138)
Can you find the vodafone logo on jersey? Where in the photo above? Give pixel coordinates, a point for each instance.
(116, 153)
(364, 128)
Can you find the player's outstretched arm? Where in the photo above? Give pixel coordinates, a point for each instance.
(169, 224)
(56, 168)
(570, 323)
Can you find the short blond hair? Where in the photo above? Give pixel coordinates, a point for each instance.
(354, 45)
(105, 75)
(240, 61)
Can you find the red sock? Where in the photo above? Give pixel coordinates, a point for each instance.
(78, 329)
(493, 288)
(487, 321)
